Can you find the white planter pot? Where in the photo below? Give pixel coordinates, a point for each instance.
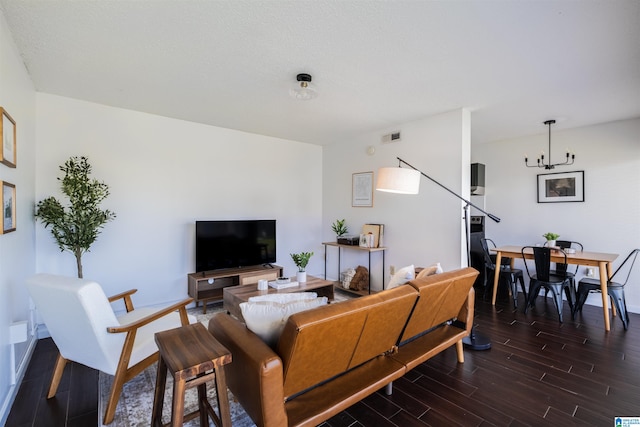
(301, 276)
(550, 243)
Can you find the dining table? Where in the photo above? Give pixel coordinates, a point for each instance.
(592, 259)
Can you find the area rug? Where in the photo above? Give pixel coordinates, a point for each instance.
(136, 401)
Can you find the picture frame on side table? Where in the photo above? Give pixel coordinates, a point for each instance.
(8, 207)
(561, 187)
(362, 190)
(8, 139)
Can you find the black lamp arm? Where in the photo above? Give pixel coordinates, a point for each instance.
(493, 217)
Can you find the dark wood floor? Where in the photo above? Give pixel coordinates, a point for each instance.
(538, 372)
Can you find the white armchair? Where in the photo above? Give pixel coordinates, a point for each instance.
(86, 330)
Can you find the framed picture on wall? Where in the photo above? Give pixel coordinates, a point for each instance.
(8, 207)
(362, 189)
(8, 138)
(561, 187)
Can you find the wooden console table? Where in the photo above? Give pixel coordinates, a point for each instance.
(357, 248)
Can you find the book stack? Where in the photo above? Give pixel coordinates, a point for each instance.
(372, 236)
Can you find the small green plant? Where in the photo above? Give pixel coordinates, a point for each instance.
(77, 226)
(551, 236)
(339, 227)
(301, 260)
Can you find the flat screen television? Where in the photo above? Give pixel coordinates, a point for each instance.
(235, 243)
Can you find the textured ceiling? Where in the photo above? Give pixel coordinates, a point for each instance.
(375, 64)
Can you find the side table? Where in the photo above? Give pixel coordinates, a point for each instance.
(192, 356)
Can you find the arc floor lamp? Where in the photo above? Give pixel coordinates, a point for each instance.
(407, 181)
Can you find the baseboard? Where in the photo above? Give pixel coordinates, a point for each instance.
(13, 389)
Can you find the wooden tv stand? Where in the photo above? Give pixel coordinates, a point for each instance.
(200, 289)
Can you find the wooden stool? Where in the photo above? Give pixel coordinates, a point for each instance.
(193, 357)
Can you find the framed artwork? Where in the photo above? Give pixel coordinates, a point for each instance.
(8, 138)
(561, 187)
(8, 207)
(362, 189)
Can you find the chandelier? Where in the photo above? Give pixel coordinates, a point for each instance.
(540, 161)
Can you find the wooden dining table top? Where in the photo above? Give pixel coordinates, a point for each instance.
(580, 257)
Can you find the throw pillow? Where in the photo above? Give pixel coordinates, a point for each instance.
(428, 271)
(266, 315)
(402, 276)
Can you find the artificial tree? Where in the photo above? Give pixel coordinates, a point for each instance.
(77, 226)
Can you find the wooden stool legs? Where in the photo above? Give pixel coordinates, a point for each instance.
(192, 356)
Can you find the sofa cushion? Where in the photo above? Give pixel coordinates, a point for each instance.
(402, 276)
(429, 271)
(265, 315)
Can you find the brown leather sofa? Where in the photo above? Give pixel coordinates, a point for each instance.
(331, 357)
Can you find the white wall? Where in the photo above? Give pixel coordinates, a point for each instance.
(607, 221)
(421, 229)
(163, 175)
(17, 250)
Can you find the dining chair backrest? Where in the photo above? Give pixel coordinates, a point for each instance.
(566, 244)
(542, 261)
(488, 261)
(630, 261)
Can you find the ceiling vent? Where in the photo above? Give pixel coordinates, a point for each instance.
(391, 137)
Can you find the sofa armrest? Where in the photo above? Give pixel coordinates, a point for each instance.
(255, 376)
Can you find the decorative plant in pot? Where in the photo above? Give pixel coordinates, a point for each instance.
(77, 226)
(551, 239)
(301, 260)
(340, 228)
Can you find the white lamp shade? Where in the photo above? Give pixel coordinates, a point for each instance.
(398, 180)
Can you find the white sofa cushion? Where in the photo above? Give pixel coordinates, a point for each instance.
(266, 315)
(402, 276)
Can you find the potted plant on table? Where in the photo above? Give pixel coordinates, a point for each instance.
(301, 260)
(339, 227)
(551, 239)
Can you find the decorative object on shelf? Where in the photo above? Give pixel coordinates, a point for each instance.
(561, 187)
(303, 90)
(377, 233)
(360, 280)
(301, 260)
(349, 240)
(8, 139)
(540, 161)
(76, 227)
(347, 276)
(362, 190)
(551, 239)
(8, 207)
(404, 181)
(340, 228)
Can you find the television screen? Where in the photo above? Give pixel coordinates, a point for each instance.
(232, 244)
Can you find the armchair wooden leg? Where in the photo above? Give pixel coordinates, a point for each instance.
(58, 370)
(114, 396)
(460, 351)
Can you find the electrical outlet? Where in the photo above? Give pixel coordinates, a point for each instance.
(590, 272)
(392, 270)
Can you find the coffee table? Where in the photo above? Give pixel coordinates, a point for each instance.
(234, 295)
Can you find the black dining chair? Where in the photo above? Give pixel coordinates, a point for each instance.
(512, 275)
(615, 290)
(563, 268)
(543, 278)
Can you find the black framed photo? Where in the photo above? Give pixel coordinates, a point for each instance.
(561, 187)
